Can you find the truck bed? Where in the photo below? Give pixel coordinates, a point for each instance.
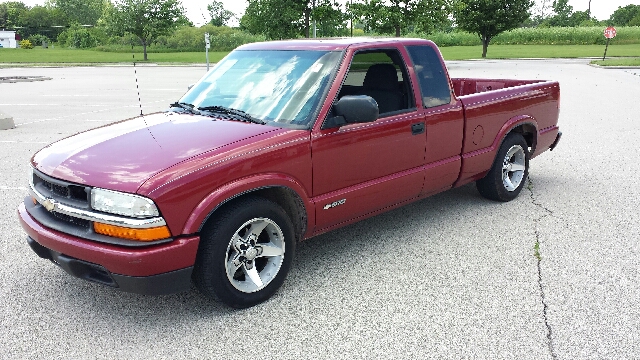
(492, 106)
(467, 86)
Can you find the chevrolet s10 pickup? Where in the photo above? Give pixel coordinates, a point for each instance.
(279, 142)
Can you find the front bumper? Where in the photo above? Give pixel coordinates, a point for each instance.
(159, 269)
(161, 284)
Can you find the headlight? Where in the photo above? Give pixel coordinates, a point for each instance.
(115, 202)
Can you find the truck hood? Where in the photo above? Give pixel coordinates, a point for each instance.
(122, 156)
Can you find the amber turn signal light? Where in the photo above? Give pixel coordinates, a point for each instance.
(150, 234)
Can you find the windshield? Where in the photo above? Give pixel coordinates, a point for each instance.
(277, 86)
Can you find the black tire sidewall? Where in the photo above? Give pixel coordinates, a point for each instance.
(210, 273)
(492, 186)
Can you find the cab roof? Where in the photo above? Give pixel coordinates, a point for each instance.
(330, 44)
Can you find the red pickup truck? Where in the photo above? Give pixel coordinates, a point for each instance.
(279, 142)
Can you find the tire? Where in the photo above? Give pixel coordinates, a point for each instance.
(245, 252)
(509, 172)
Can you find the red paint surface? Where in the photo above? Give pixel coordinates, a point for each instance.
(124, 155)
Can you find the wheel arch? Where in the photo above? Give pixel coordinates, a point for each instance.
(522, 124)
(530, 133)
(476, 164)
(285, 192)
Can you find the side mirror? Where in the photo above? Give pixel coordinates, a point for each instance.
(353, 109)
(190, 86)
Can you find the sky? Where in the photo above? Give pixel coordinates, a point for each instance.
(196, 10)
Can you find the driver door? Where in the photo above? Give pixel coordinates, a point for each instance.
(362, 168)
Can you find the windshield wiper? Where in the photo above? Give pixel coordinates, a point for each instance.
(186, 106)
(239, 114)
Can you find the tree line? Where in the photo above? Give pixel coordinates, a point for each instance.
(85, 23)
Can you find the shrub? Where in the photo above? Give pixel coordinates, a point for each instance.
(38, 39)
(78, 37)
(591, 35)
(185, 39)
(26, 44)
(222, 38)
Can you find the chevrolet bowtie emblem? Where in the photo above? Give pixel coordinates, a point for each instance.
(49, 204)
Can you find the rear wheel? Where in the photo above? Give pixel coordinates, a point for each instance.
(509, 172)
(245, 252)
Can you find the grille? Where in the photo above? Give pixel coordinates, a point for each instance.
(66, 193)
(61, 190)
(72, 220)
(57, 189)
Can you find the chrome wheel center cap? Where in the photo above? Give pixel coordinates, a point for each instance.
(251, 253)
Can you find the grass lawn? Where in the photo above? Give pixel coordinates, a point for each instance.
(74, 56)
(618, 62)
(538, 51)
(62, 56)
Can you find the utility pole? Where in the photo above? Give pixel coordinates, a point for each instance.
(314, 19)
(351, 12)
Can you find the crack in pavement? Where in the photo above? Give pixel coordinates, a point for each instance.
(545, 307)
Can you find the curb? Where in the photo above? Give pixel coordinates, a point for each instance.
(6, 122)
(614, 67)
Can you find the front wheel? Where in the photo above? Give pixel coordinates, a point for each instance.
(245, 252)
(509, 172)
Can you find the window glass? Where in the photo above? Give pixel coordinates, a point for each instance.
(280, 87)
(434, 84)
(380, 74)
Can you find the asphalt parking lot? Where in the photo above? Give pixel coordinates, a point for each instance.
(452, 276)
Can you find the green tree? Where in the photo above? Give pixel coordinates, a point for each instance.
(286, 19)
(623, 16)
(77, 36)
(581, 18)
(330, 20)
(146, 19)
(219, 15)
(10, 14)
(393, 16)
(488, 18)
(83, 12)
(562, 8)
(540, 11)
(4, 16)
(562, 14)
(275, 19)
(48, 21)
(565, 16)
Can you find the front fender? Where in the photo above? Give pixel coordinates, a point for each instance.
(239, 187)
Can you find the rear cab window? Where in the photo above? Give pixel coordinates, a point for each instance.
(434, 85)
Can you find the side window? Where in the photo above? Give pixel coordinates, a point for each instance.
(382, 75)
(434, 85)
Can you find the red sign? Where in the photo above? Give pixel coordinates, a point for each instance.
(610, 32)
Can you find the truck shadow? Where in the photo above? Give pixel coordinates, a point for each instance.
(317, 262)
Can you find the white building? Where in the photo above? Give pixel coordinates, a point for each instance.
(8, 39)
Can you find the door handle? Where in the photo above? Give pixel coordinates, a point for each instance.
(417, 129)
